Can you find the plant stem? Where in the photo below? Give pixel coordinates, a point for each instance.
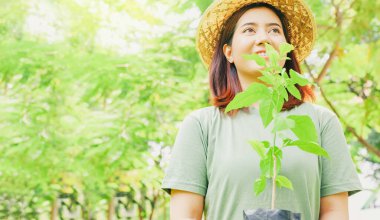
(274, 173)
(274, 163)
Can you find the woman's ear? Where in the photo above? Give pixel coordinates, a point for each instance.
(227, 50)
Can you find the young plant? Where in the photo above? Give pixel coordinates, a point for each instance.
(271, 97)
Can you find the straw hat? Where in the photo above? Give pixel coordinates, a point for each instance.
(301, 25)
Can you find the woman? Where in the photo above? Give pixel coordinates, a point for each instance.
(213, 168)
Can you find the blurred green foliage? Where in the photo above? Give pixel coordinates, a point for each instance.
(92, 92)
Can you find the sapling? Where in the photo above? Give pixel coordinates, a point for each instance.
(271, 95)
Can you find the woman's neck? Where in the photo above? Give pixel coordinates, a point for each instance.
(246, 82)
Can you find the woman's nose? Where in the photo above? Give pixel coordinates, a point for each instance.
(261, 38)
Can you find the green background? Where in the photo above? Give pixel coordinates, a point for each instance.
(92, 93)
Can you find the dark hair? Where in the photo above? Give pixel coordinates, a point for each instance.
(223, 77)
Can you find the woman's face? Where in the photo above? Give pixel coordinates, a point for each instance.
(255, 27)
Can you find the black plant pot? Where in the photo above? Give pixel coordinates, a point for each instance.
(270, 214)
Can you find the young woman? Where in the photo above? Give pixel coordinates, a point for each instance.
(213, 167)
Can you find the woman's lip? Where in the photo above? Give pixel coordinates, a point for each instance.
(264, 56)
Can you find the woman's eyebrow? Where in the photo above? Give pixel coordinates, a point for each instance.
(255, 24)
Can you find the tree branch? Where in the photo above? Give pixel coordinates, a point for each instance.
(328, 63)
(338, 20)
(364, 142)
(361, 140)
(309, 70)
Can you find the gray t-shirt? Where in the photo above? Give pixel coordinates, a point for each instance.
(212, 157)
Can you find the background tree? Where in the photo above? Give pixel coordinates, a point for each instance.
(92, 92)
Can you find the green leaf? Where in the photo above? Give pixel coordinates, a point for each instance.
(298, 78)
(265, 166)
(266, 144)
(284, 74)
(266, 111)
(283, 92)
(277, 152)
(259, 185)
(268, 106)
(259, 147)
(257, 58)
(267, 79)
(252, 94)
(279, 101)
(285, 48)
(281, 123)
(294, 91)
(310, 147)
(274, 56)
(304, 128)
(286, 141)
(276, 69)
(283, 181)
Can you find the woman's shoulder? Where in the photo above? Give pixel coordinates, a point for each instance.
(204, 114)
(201, 120)
(317, 109)
(320, 114)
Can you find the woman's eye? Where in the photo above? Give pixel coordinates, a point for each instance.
(275, 30)
(249, 30)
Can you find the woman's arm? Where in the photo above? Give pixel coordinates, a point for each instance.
(334, 207)
(186, 205)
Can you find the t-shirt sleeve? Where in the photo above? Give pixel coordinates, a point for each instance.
(338, 171)
(187, 166)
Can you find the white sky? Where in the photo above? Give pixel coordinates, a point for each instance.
(45, 21)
